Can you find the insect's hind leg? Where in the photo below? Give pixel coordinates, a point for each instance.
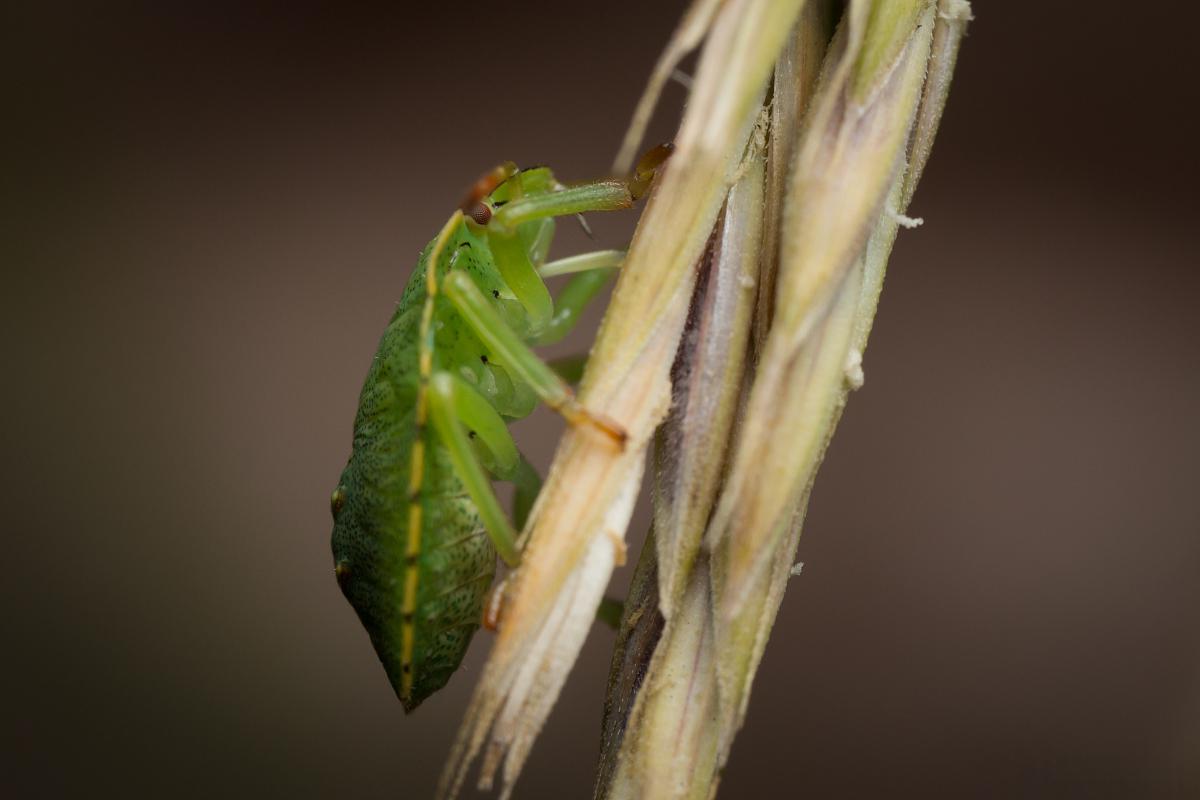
(528, 484)
(609, 612)
(456, 408)
(514, 354)
(569, 368)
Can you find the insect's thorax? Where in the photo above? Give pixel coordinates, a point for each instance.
(456, 349)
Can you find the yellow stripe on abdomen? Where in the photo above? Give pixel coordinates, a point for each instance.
(416, 475)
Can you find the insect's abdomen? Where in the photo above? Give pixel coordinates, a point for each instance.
(420, 639)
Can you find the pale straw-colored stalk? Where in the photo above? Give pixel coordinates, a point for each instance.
(680, 683)
(850, 153)
(575, 534)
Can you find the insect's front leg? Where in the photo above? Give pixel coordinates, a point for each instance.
(610, 195)
(607, 195)
(512, 255)
(514, 354)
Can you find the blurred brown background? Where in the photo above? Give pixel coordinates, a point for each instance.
(208, 212)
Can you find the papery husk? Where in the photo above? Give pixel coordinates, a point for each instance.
(742, 641)
(795, 80)
(667, 747)
(707, 381)
(670, 746)
(852, 148)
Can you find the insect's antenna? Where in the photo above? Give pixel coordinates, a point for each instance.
(487, 184)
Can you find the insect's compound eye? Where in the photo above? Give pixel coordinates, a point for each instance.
(480, 212)
(337, 500)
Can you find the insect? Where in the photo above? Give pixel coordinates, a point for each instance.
(417, 525)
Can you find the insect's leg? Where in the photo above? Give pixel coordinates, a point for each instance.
(591, 271)
(512, 256)
(584, 262)
(512, 353)
(455, 407)
(609, 612)
(569, 368)
(511, 253)
(610, 195)
(569, 304)
(528, 483)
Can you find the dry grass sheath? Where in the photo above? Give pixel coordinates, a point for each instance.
(738, 326)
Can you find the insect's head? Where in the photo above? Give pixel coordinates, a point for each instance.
(504, 184)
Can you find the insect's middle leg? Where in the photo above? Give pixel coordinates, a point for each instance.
(593, 270)
(515, 354)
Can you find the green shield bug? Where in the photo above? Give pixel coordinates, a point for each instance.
(417, 525)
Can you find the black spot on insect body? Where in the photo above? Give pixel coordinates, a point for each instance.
(471, 434)
(406, 667)
(410, 560)
(484, 359)
(496, 293)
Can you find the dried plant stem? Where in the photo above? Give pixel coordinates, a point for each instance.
(698, 618)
